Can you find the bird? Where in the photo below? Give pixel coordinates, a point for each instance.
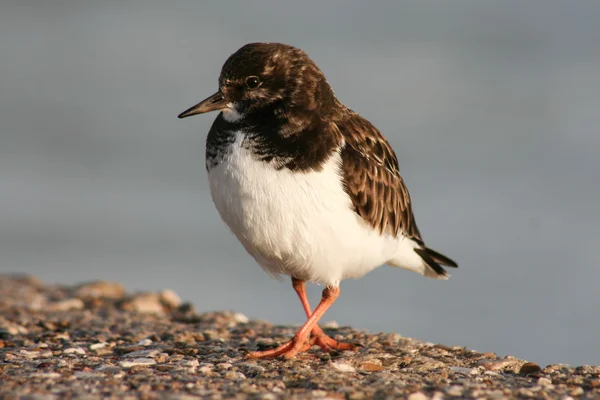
(310, 188)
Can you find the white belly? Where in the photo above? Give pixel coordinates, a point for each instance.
(296, 223)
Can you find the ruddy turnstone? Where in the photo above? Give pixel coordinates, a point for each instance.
(309, 187)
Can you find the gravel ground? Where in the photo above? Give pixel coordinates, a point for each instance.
(94, 340)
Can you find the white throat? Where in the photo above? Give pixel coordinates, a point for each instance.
(231, 114)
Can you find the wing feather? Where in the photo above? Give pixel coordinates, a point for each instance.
(372, 178)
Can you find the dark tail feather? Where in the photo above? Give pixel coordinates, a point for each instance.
(431, 263)
(440, 258)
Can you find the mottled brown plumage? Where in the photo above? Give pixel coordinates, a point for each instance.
(372, 178)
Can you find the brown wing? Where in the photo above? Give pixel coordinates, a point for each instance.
(372, 178)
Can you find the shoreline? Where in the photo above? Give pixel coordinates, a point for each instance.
(96, 340)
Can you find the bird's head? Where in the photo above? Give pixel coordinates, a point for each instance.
(271, 77)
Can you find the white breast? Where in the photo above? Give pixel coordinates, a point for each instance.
(296, 223)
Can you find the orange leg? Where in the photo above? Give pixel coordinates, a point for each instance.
(318, 337)
(300, 341)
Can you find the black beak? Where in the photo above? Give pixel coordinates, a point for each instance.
(212, 103)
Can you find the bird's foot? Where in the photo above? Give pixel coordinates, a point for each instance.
(300, 344)
(327, 343)
(288, 350)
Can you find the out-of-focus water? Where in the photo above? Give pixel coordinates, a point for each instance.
(493, 109)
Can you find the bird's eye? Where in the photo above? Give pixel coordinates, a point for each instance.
(252, 82)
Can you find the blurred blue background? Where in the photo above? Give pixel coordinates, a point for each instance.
(492, 107)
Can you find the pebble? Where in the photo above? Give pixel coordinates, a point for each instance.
(497, 365)
(206, 369)
(107, 368)
(252, 370)
(418, 396)
(234, 375)
(240, 318)
(149, 353)
(496, 394)
(47, 375)
(101, 289)
(343, 367)
(144, 362)
(529, 368)
(74, 350)
(36, 354)
(13, 329)
(145, 342)
(224, 366)
(145, 303)
(578, 391)
(66, 305)
(98, 346)
(371, 366)
(544, 381)
(189, 363)
(462, 370)
(330, 325)
(454, 391)
(525, 392)
(170, 299)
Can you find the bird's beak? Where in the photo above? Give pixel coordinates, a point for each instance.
(212, 103)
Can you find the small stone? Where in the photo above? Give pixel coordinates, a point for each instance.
(343, 367)
(13, 329)
(234, 376)
(145, 303)
(189, 363)
(170, 299)
(544, 382)
(47, 375)
(555, 367)
(418, 396)
(240, 318)
(74, 350)
(330, 325)
(224, 366)
(85, 374)
(252, 370)
(454, 391)
(36, 354)
(371, 367)
(529, 368)
(101, 289)
(149, 353)
(206, 368)
(144, 342)
(461, 370)
(109, 369)
(497, 365)
(430, 365)
(578, 391)
(496, 394)
(66, 305)
(143, 362)
(98, 346)
(524, 392)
